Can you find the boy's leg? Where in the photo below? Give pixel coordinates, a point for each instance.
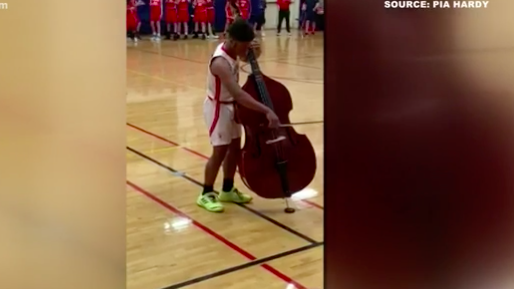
(154, 33)
(218, 119)
(134, 36)
(203, 27)
(176, 30)
(230, 164)
(208, 199)
(262, 21)
(280, 20)
(186, 30)
(288, 21)
(229, 193)
(211, 31)
(138, 28)
(197, 29)
(158, 28)
(168, 30)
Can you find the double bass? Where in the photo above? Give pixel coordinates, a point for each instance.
(274, 163)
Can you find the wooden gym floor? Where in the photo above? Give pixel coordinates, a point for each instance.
(171, 243)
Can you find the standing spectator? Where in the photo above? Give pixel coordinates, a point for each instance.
(183, 16)
(135, 17)
(155, 19)
(211, 15)
(311, 7)
(200, 17)
(284, 14)
(231, 11)
(244, 7)
(132, 21)
(302, 18)
(319, 10)
(172, 19)
(258, 18)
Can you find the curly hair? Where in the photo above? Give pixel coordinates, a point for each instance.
(240, 30)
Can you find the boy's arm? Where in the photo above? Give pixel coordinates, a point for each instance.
(221, 68)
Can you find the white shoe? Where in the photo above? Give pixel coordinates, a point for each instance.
(278, 34)
(263, 34)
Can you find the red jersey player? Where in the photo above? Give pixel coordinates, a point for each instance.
(200, 17)
(132, 20)
(210, 18)
(172, 18)
(230, 13)
(244, 8)
(183, 16)
(155, 19)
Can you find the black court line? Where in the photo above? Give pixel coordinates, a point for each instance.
(242, 266)
(257, 213)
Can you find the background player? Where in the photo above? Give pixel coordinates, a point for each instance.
(258, 18)
(319, 10)
(133, 22)
(200, 17)
(302, 18)
(183, 16)
(244, 7)
(223, 91)
(211, 16)
(231, 11)
(171, 19)
(155, 19)
(310, 16)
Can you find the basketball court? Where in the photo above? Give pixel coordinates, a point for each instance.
(171, 242)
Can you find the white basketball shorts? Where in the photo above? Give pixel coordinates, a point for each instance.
(220, 122)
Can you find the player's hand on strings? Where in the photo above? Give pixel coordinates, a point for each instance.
(255, 45)
(273, 120)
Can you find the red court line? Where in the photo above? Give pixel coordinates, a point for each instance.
(313, 204)
(154, 135)
(220, 238)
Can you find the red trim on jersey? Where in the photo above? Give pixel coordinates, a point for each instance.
(217, 95)
(225, 50)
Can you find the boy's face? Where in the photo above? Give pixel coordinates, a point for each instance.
(241, 48)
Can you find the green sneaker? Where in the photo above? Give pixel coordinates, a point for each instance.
(210, 202)
(234, 196)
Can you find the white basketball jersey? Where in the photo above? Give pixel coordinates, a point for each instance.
(215, 89)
